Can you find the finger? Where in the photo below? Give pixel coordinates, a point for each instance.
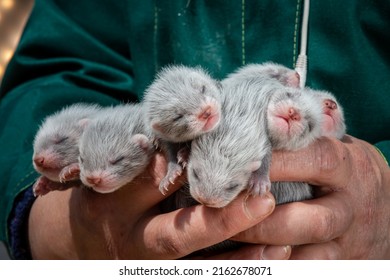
(323, 251)
(145, 187)
(312, 221)
(254, 252)
(179, 233)
(324, 163)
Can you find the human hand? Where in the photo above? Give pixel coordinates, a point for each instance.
(350, 219)
(128, 223)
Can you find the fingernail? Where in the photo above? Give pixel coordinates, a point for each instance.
(259, 206)
(276, 253)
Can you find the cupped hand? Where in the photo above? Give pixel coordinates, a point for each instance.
(128, 224)
(349, 219)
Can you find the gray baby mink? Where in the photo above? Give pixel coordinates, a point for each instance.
(236, 155)
(56, 146)
(181, 104)
(114, 148)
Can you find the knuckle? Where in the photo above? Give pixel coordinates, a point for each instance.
(323, 226)
(170, 244)
(324, 251)
(332, 252)
(331, 156)
(329, 252)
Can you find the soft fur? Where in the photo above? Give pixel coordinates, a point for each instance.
(114, 148)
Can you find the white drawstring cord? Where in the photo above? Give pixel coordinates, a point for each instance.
(301, 63)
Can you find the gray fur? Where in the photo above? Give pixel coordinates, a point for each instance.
(310, 104)
(174, 100)
(237, 153)
(288, 94)
(115, 147)
(307, 102)
(58, 137)
(270, 72)
(285, 192)
(294, 134)
(273, 81)
(337, 127)
(174, 105)
(299, 135)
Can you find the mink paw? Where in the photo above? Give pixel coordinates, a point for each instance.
(70, 173)
(174, 172)
(259, 185)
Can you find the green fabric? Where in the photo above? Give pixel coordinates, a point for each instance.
(109, 51)
(384, 149)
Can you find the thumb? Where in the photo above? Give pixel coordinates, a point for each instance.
(181, 232)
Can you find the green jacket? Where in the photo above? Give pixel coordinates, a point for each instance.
(109, 51)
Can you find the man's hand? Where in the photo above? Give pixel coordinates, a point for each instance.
(350, 219)
(127, 224)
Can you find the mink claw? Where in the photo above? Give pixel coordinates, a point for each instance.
(164, 185)
(259, 186)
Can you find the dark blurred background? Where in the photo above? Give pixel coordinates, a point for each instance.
(13, 16)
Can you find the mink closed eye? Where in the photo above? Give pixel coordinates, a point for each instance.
(195, 175)
(60, 140)
(310, 123)
(178, 117)
(117, 160)
(232, 187)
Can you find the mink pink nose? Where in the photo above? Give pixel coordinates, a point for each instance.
(39, 160)
(330, 104)
(294, 115)
(205, 114)
(93, 180)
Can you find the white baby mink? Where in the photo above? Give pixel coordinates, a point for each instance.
(261, 86)
(300, 114)
(236, 155)
(296, 122)
(333, 123)
(56, 147)
(181, 104)
(293, 116)
(294, 119)
(307, 114)
(114, 148)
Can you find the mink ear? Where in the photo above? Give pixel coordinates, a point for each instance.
(293, 80)
(142, 141)
(254, 165)
(157, 127)
(83, 123)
